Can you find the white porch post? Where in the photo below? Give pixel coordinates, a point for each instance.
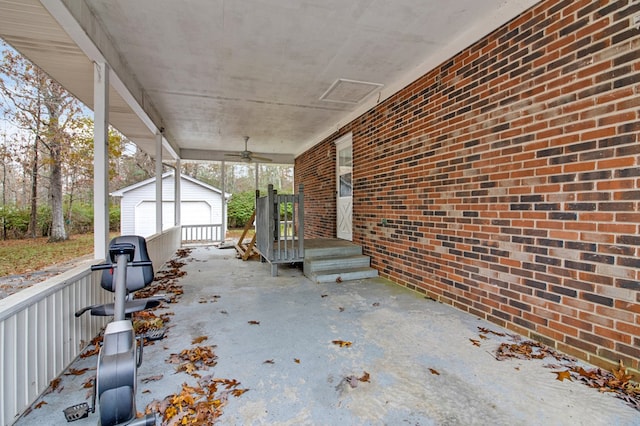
(223, 183)
(100, 160)
(177, 197)
(158, 183)
(257, 166)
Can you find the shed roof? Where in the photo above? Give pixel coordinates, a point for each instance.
(123, 191)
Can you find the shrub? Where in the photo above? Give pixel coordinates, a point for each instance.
(15, 220)
(240, 208)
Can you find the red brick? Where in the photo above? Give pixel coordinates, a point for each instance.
(501, 201)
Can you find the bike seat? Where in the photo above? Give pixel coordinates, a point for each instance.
(137, 276)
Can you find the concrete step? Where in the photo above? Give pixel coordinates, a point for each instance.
(330, 248)
(343, 274)
(326, 260)
(318, 264)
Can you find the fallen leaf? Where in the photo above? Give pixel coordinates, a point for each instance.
(324, 295)
(269, 361)
(198, 340)
(188, 367)
(562, 375)
(152, 378)
(296, 360)
(475, 342)
(353, 380)
(40, 404)
(74, 372)
(238, 392)
(339, 280)
(376, 304)
(253, 322)
(52, 386)
(88, 384)
(341, 309)
(146, 391)
(434, 371)
(482, 336)
(487, 331)
(341, 343)
(621, 374)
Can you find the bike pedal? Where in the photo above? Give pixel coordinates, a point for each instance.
(76, 412)
(155, 334)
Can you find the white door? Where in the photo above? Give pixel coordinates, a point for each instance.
(344, 200)
(145, 217)
(193, 213)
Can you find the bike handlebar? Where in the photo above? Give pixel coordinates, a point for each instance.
(114, 265)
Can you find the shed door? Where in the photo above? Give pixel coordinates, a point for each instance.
(344, 200)
(193, 213)
(145, 217)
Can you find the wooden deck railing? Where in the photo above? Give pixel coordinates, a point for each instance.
(280, 227)
(202, 234)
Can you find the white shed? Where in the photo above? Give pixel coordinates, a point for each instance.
(201, 204)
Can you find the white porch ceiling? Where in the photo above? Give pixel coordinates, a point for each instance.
(213, 71)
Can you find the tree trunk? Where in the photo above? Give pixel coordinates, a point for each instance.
(4, 200)
(58, 232)
(33, 217)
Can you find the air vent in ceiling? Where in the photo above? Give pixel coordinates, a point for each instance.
(349, 91)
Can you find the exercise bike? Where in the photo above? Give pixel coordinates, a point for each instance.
(130, 269)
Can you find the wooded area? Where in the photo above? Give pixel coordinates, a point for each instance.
(46, 147)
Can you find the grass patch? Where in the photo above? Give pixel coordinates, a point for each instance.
(34, 254)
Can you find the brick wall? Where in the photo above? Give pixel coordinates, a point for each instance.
(510, 180)
(316, 169)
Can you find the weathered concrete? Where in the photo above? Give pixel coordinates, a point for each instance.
(400, 338)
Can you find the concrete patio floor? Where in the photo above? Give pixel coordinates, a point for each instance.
(423, 368)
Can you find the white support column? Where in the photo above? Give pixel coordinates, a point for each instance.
(158, 183)
(100, 160)
(257, 166)
(177, 195)
(223, 215)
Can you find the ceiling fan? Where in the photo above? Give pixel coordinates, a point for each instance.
(247, 156)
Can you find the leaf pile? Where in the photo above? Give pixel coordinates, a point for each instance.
(191, 360)
(166, 280)
(529, 350)
(183, 252)
(145, 321)
(617, 381)
(201, 404)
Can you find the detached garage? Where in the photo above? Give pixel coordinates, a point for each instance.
(201, 204)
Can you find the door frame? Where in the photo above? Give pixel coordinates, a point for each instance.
(344, 205)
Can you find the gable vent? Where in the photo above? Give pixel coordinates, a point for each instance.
(349, 91)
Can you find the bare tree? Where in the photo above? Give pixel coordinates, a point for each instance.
(42, 107)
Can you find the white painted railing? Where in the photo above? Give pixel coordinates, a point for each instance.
(39, 334)
(162, 246)
(202, 234)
